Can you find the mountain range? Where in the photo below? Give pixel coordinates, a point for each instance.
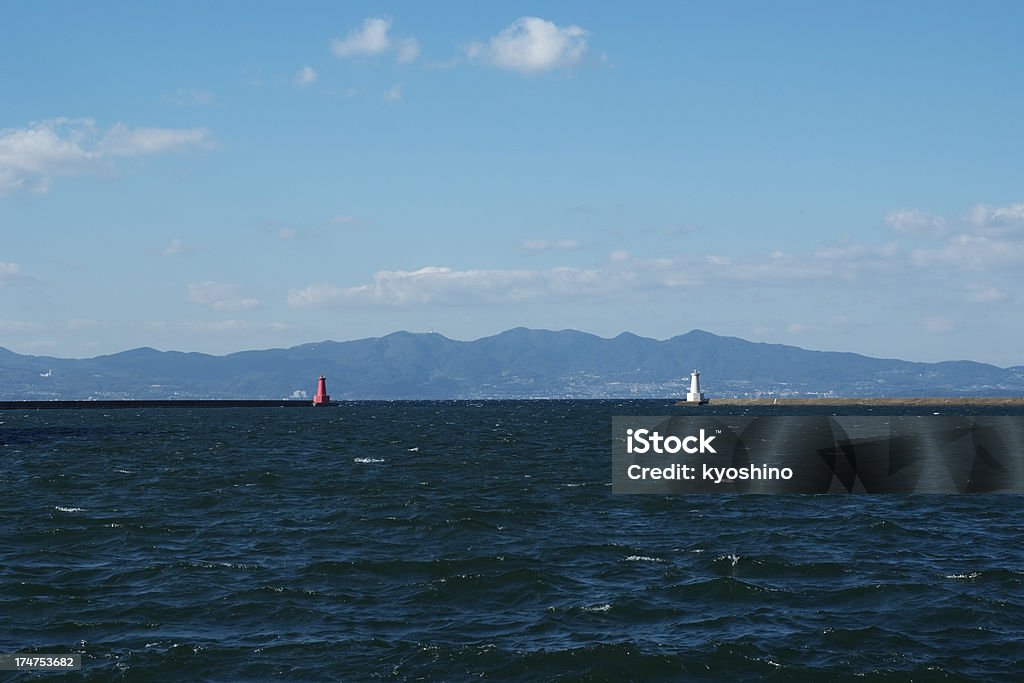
(517, 363)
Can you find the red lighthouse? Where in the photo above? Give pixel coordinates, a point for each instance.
(321, 398)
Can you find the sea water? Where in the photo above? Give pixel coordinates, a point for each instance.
(468, 541)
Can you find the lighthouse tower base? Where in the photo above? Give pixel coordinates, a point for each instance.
(321, 398)
(695, 395)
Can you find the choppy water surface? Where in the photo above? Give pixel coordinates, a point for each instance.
(461, 540)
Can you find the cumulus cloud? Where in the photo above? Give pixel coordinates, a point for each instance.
(531, 45)
(30, 157)
(996, 221)
(912, 221)
(394, 93)
(987, 237)
(372, 39)
(305, 76)
(220, 296)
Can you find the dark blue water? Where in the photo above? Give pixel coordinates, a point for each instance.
(460, 541)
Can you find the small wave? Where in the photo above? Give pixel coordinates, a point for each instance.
(61, 508)
(642, 558)
(124, 472)
(733, 558)
(598, 608)
(367, 459)
(208, 564)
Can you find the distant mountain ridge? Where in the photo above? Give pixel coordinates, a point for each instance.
(517, 363)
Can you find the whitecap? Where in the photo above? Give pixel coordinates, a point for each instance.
(643, 558)
(733, 558)
(964, 577)
(61, 508)
(598, 608)
(414, 449)
(367, 459)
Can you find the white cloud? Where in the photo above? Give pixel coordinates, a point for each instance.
(843, 262)
(39, 345)
(9, 272)
(984, 295)
(937, 325)
(122, 141)
(912, 221)
(437, 285)
(84, 324)
(12, 274)
(987, 237)
(837, 267)
(394, 93)
(996, 221)
(972, 252)
(305, 76)
(176, 248)
(220, 296)
(288, 233)
(226, 326)
(407, 50)
(372, 39)
(30, 157)
(549, 245)
(532, 45)
(18, 326)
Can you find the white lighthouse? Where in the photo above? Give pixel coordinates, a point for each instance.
(695, 395)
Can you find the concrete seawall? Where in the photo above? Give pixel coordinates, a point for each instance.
(868, 401)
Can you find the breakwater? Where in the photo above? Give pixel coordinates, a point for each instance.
(199, 403)
(868, 401)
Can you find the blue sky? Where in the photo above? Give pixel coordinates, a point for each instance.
(223, 176)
